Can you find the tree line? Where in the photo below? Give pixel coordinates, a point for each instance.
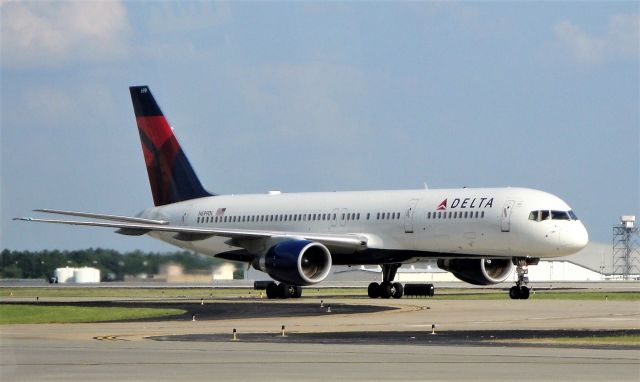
(113, 265)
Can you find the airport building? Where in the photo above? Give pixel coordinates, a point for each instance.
(84, 275)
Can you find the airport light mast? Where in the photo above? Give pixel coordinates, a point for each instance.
(626, 249)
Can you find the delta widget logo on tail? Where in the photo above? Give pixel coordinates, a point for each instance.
(442, 206)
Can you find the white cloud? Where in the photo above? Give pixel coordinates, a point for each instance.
(620, 41)
(41, 34)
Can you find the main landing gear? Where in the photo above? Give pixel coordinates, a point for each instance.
(283, 290)
(520, 291)
(387, 288)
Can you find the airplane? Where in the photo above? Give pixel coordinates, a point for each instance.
(478, 234)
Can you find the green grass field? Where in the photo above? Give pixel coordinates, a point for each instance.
(33, 314)
(6, 293)
(624, 339)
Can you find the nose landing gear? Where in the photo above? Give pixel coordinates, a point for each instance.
(520, 291)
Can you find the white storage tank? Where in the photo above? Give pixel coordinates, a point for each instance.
(64, 275)
(86, 275)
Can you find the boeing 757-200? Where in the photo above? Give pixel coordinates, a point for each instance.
(478, 234)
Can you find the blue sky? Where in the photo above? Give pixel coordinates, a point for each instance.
(313, 96)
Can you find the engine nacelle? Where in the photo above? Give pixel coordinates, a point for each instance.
(296, 262)
(478, 271)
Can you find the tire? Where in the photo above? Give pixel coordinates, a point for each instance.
(374, 290)
(283, 290)
(398, 290)
(272, 290)
(514, 292)
(431, 290)
(386, 290)
(524, 293)
(297, 291)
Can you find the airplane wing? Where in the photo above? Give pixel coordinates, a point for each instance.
(137, 226)
(103, 216)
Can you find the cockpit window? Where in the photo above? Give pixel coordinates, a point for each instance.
(544, 215)
(541, 215)
(560, 215)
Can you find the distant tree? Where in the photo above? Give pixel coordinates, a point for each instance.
(112, 264)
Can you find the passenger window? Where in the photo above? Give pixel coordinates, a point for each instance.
(358, 216)
(439, 215)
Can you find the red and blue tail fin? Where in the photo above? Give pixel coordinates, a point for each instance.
(171, 176)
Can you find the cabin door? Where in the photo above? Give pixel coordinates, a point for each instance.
(505, 216)
(408, 215)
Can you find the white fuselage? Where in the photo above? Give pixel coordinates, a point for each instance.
(481, 222)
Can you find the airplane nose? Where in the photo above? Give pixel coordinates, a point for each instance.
(574, 239)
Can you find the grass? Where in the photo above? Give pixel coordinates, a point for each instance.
(546, 295)
(33, 314)
(623, 339)
(212, 292)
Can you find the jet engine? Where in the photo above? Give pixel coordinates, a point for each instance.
(478, 271)
(296, 262)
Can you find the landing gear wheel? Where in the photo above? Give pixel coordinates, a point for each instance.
(283, 290)
(519, 292)
(374, 290)
(386, 290)
(272, 290)
(297, 291)
(514, 292)
(398, 290)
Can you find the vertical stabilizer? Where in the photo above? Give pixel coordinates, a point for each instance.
(171, 176)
